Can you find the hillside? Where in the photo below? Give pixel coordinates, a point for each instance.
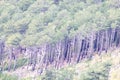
(59, 39)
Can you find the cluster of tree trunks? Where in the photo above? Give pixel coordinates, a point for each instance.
(67, 51)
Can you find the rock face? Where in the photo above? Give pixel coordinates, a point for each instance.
(67, 51)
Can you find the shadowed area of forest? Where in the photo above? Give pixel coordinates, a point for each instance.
(100, 67)
(66, 51)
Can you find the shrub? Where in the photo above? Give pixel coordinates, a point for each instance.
(7, 77)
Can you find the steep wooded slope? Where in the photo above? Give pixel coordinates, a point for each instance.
(56, 32)
(101, 67)
(67, 51)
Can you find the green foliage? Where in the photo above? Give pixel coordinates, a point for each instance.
(95, 69)
(24, 5)
(49, 75)
(40, 21)
(15, 64)
(21, 62)
(63, 74)
(7, 77)
(14, 39)
(97, 72)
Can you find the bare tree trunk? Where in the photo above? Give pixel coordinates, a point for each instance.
(67, 51)
(1, 54)
(79, 50)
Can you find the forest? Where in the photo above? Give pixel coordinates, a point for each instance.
(34, 22)
(38, 35)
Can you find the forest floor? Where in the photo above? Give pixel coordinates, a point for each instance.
(101, 67)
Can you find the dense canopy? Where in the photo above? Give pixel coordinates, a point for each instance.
(33, 22)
